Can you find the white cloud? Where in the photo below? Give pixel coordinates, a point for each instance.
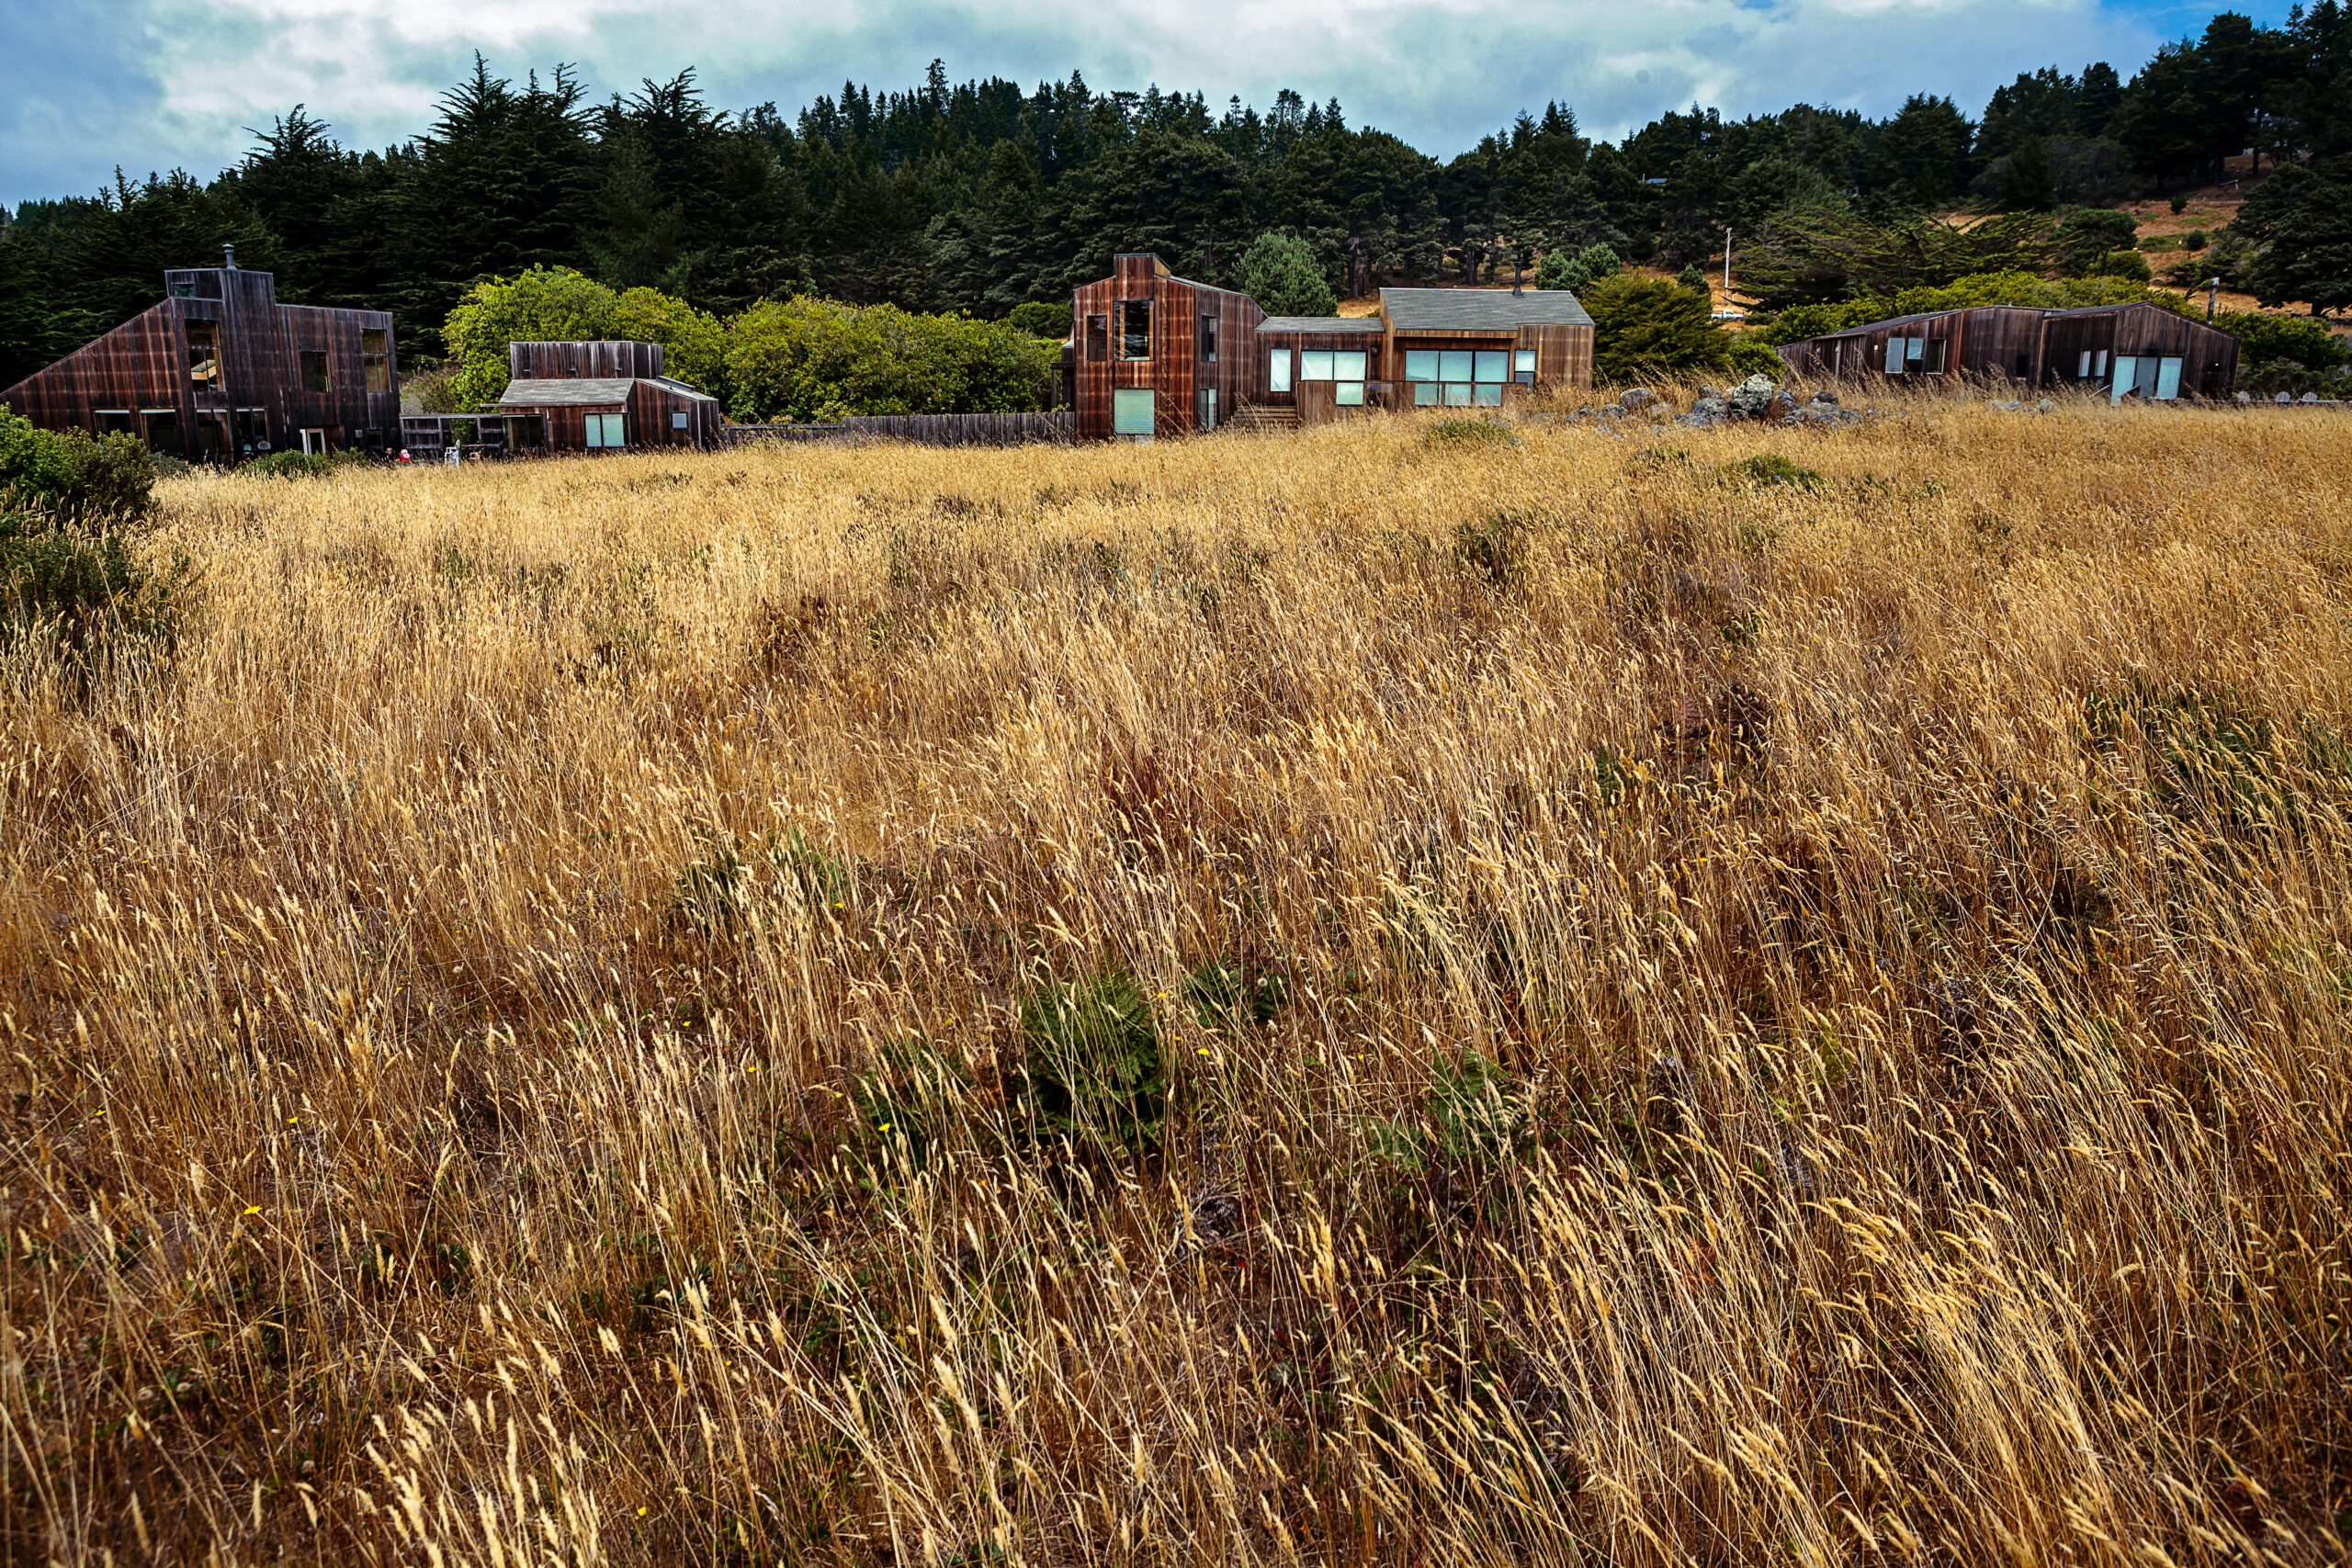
(172, 81)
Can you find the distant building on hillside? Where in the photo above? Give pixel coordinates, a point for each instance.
(2135, 350)
(219, 371)
(1152, 354)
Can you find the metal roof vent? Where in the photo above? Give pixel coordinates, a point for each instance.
(229, 257)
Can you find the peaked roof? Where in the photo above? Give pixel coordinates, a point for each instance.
(1481, 309)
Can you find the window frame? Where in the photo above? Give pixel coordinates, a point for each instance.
(376, 359)
(1280, 372)
(1128, 310)
(1208, 337)
(1097, 340)
(210, 340)
(317, 372)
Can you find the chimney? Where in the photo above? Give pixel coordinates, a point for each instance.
(229, 257)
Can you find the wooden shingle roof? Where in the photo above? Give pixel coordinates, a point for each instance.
(1481, 309)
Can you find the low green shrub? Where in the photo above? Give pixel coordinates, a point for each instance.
(904, 1101)
(1094, 1070)
(303, 465)
(1469, 433)
(66, 566)
(1767, 469)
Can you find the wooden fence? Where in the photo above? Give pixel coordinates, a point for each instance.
(925, 429)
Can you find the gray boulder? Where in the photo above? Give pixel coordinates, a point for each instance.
(1752, 398)
(1636, 398)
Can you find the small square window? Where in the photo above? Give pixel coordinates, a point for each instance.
(1314, 365)
(1524, 362)
(678, 421)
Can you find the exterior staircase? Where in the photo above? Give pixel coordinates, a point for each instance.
(1260, 417)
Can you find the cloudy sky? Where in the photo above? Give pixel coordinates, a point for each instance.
(150, 84)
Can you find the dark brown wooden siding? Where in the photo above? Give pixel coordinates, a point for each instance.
(1175, 371)
(610, 361)
(263, 393)
(2030, 348)
(1372, 345)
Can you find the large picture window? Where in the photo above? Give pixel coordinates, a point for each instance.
(1457, 377)
(1343, 368)
(607, 430)
(1135, 329)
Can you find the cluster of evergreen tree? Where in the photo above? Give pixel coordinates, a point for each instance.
(982, 197)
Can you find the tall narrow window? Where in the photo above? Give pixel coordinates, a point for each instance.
(1098, 338)
(1208, 338)
(314, 371)
(1278, 371)
(2082, 369)
(204, 354)
(1135, 329)
(375, 359)
(1524, 367)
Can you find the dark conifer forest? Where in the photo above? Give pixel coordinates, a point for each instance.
(982, 196)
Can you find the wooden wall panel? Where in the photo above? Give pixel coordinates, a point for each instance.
(2035, 348)
(143, 363)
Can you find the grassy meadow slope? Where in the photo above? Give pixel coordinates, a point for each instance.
(1356, 998)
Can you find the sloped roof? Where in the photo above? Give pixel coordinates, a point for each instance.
(1322, 324)
(1481, 309)
(588, 391)
(566, 392)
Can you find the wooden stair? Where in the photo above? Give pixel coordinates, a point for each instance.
(1260, 417)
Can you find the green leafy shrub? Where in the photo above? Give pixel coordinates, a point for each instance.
(1766, 469)
(65, 565)
(1226, 995)
(732, 888)
(812, 359)
(905, 1100)
(559, 304)
(1094, 1070)
(1472, 432)
(1752, 355)
(2298, 338)
(71, 476)
(303, 465)
(1475, 1118)
(1042, 318)
(2129, 265)
(1645, 327)
(1693, 278)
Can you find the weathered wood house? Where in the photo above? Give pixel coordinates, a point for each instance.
(219, 371)
(1152, 354)
(1155, 354)
(589, 396)
(2131, 350)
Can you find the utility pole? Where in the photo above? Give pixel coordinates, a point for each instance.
(1726, 265)
(2213, 293)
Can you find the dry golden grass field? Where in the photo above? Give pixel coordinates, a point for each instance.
(1350, 998)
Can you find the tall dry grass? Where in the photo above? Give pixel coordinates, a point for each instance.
(1708, 1020)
